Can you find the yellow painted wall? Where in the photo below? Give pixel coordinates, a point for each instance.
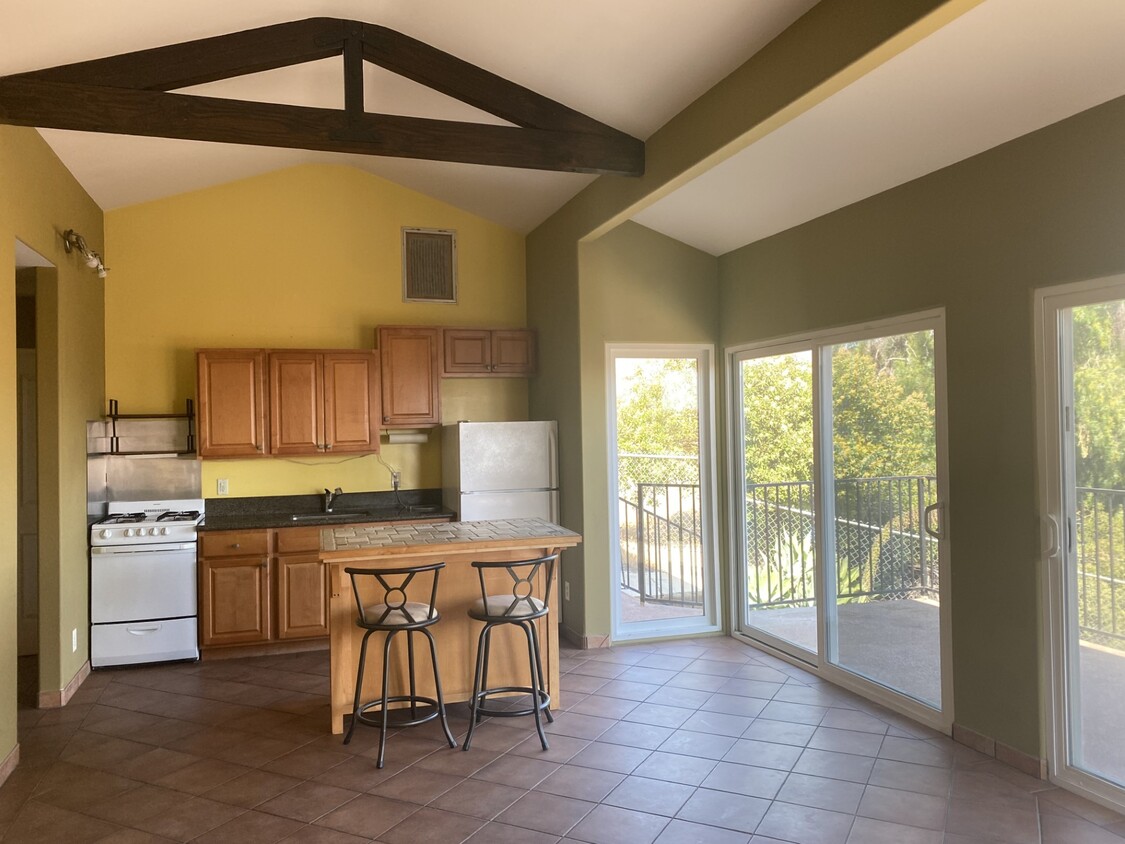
(308, 257)
(38, 200)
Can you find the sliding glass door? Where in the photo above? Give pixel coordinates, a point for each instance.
(839, 503)
(1083, 404)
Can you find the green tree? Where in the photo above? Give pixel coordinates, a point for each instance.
(1099, 395)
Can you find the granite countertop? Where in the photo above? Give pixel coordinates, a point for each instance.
(391, 538)
(349, 508)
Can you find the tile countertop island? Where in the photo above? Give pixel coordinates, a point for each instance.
(456, 544)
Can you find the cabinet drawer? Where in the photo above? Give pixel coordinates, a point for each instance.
(234, 543)
(298, 540)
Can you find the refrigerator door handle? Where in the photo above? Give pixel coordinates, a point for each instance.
(553, 443)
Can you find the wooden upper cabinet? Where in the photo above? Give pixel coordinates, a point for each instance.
(513, 352)
(351, 401)
(232, 402)
(480, 352)
(409, 358)
(296, 403)
(323, 401)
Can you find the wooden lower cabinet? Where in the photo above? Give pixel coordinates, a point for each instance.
(279, 595)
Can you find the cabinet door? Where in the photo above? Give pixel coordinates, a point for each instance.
(234, 606)
(466, 351)
(231, 399)
(302, 596)
(351, 401)
(513, 352)
(409, 357)
(296, 403)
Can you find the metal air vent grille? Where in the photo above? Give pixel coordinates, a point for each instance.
(429, 265)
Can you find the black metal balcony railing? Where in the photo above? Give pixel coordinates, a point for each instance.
(881, 547)
(1100, 565)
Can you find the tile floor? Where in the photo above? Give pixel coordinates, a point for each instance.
(700, 742)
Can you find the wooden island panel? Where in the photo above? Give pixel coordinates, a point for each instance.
(457, 544)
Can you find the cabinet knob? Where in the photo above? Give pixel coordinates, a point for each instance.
(386, 419)
(328, 446)
(236, 545)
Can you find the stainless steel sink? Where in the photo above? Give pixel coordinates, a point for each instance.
(336, 516)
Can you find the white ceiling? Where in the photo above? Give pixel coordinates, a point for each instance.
(1004, 68)
(1001, 70)
(632, 64)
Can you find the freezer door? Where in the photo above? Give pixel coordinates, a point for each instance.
(507, 455)
(543, 504)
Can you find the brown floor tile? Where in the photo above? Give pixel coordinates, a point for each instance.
(499, 833)
(251, 788)
(730, 811)
(550, 813)
(416, 785)
(308, 801)
(611, 825)
(518, 771)
(202, 776)
(686, 832)
(581, 783)
(651, 796)
(368, 816)
(323, 835)
(42, 823)
(673, 767)
(192, 818)
(131, 807)
(253, 826)
(432, 826)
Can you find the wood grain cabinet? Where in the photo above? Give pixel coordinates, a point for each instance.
(323, 401)
(409, 360)
(234, 588)
(482, 352)
(260, 587)
(232, 403)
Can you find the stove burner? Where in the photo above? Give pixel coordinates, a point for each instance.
(178, 516)
(123, 519)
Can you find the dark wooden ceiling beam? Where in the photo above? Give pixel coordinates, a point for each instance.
(208, 59)
(89, 108)
(126, 94)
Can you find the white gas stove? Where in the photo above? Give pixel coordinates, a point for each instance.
(143, 582)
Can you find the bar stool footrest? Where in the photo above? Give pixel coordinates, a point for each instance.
(482, 710)
(371, 713)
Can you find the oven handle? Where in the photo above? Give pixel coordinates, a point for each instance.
(143, 631)
(123, 550)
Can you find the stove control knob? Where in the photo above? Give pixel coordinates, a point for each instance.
(128, 531)
(152, 531)
(106, 534)
(163, 531)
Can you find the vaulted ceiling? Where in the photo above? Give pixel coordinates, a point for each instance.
(999, 70)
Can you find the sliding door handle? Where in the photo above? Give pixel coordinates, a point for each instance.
(939, 531)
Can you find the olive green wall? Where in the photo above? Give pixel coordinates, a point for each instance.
(638, 286)
(38, 200)
(976, 238)
(831, 45)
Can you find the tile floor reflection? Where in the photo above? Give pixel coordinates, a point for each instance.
(706, 741)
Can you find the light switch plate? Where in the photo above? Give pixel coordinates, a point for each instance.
(223, 486)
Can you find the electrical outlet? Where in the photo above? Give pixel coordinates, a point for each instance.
(396, 479)
(223, 486)
(566, 590)
(74, 640)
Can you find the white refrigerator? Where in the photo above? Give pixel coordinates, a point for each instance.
(500, 470)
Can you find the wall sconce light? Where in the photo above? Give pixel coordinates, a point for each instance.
(72, 241)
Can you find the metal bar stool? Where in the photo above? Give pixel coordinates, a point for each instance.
(518, 606)
(392, 614)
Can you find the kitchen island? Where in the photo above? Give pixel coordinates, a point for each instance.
(457, 544)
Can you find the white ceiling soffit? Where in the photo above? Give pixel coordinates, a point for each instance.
(632, 64)
(1003, 69)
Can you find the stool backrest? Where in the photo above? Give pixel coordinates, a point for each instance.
(394, 583)
(523, 574)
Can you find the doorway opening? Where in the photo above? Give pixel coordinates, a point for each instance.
(661, 494)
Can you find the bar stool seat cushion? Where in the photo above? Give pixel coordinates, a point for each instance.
(497, 606)
(396, 617)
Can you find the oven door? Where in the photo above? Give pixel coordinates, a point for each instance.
(135, 583)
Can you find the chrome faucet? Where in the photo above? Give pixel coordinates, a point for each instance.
(329, 497)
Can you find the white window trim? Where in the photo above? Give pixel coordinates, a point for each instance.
(1055, 710)
(933, 319)
(710, 621)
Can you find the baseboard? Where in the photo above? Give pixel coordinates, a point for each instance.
(583, 642)
(269, 649)
(57, 699)
(1025, 763)
(9, 763)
